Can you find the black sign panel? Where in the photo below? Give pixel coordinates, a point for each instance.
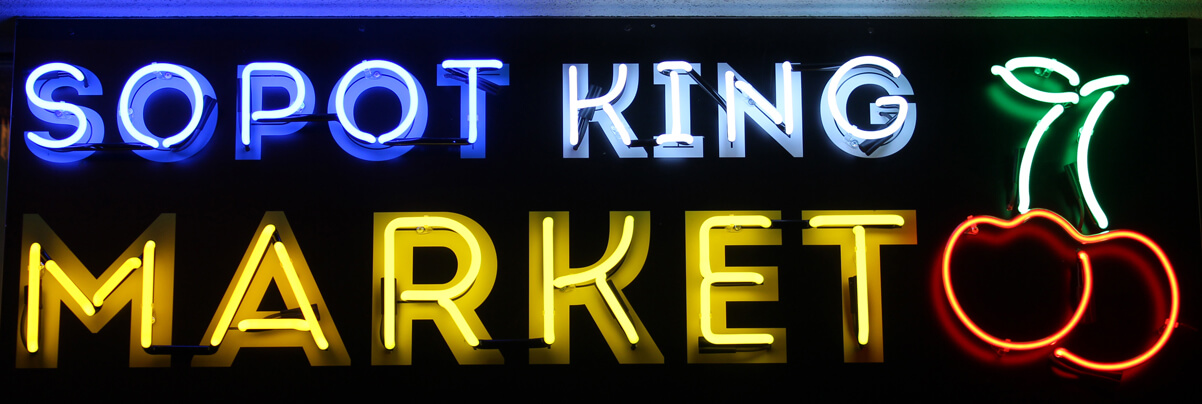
(973, 95)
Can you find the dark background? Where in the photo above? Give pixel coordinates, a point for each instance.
(960, 162)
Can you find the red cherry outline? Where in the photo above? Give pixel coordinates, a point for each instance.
(1170, 324)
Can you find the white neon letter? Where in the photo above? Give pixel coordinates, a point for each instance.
(779, 121)
(832, 88)
(55, 281)
(473, 115)
(675, 132)
(613, 124)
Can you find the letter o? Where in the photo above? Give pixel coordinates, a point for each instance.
(131, 111)
(360, 78)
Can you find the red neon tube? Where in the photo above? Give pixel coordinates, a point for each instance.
(973, 222)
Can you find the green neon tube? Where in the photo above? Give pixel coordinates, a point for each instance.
(1024, 169)
(1083, 158)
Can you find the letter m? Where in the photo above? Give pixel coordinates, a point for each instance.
(52, 277)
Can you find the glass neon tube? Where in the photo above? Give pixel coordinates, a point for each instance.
(604, 102)
(33, 298)
(1006, 342)
(301, 298)
(445, 297)
(673, 69)
(273, 324)
(147, 293)
(787, 68)
(1027, 91)
(709, 278)
(597, 276)
(107, 288)
(1024, 168)
(363, 68)
(227, 316)
(72, 290)
(1091, 200)
(473, 67)
(1045, 63)
(731, 105)
(54, 105)
(548, 280)
(857, 223)
(1104, 82)
(1169, 324)
(124, 110)
(1170, 274)
(292, 108)
(837, 115)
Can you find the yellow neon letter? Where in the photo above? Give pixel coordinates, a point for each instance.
(274, 256)
(861, 260)
(53, 274)
(452, 305)
(711, 284)
(555, 287)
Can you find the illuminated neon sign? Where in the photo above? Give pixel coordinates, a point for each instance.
(1059, 100)
(142, 277)
(694, 242)
(253, 79)
(254, 122)
(972, 225)
(738, 99)
(450, 305)
(89, 127)
(274, 258)
(1045, 67)
(860, 235)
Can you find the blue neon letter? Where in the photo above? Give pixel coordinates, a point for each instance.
(254, 78)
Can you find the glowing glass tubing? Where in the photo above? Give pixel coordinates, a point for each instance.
(974, 222)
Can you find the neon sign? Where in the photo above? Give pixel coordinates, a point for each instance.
(738, 99)
(779, 120)
(89, 127)
(901, 114)
(253, 79)
(1060, 99)
(1045, 67)
(860, 236)
(142, 277)
(132, 106)
(555, 287)
(971, 226)
(253, 121)
(450, 305)
(453, 231)
(274, 258)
